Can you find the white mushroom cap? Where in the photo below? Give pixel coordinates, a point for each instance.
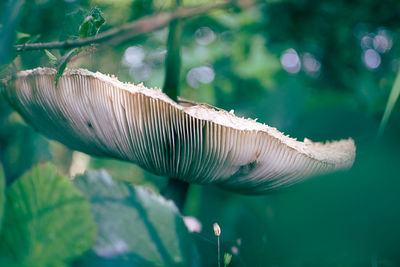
(99, 115)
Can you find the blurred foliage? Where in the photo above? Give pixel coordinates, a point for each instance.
(47, 222)
(2, 195)
(91, 24)
(89, 27)
(9, 21)
(317, 69)
(136, 227)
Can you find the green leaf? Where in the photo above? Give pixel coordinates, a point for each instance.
(52, 58)
(62, 62)
(227, 259)
(89, 27)
(47, 221)
(26, 38)
(393, 97)
(34, 38)
(22, 36)
(136, 227)
(92, 23)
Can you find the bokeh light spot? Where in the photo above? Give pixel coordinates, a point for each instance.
(310, 63)
(367, 41)
(204, 36)
(382, 42)
(203, 74)
(290, 61)
(142, 73)
(133, 56)
(371, 59)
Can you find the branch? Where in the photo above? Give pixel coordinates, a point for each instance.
(130, 30)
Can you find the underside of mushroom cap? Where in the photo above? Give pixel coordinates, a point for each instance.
(99, 115)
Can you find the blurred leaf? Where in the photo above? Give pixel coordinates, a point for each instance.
(89, 27)
(238, 20)
(63, 61)
(4, 70)
(2, 194)
(394, 95)
(71, 23)
(47, 222)
(136, 227)
(26, 38)
(22, 35)
(260, 64)
(168, 4)
(163, 4)
(52, 58)
(227, 259)
(34, 38)
(91, 24)
(7, 32)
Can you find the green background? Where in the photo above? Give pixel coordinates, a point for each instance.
(308, 68)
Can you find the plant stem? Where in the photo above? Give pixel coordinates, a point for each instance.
(175, 190)
(219, 253)
(173, 60)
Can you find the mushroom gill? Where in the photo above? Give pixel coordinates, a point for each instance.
(101, 116)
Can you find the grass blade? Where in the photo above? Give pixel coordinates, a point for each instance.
(393, 97)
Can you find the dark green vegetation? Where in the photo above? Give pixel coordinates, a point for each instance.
(316, 69)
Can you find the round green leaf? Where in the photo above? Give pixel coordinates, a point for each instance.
(47, 221)
(136, 227)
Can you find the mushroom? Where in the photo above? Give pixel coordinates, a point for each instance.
(99, 115)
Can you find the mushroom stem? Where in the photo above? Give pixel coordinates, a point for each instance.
(176, 190)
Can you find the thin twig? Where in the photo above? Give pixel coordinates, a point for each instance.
(217, 233)
(129, 30)
(219, 253)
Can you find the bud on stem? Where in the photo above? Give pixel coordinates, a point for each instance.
(217, 229)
